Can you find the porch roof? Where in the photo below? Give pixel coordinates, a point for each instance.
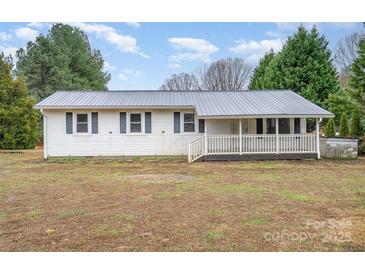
(208, 104)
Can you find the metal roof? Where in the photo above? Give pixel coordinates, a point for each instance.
(206, 103)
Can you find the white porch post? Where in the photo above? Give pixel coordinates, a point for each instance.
(317, 138)
(205, 137)
(277, 134)
(240, 127)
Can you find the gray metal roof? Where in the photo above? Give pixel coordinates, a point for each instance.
(206, 103)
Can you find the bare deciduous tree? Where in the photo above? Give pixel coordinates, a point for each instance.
(182, 81)
(225, 74)
(346, 51)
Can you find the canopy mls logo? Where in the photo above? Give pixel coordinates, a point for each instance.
(327, 231)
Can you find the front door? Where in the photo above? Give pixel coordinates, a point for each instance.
(244, 126)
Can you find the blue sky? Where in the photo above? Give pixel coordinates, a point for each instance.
(142, 55)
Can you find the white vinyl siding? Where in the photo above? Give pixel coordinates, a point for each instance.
(109, 141)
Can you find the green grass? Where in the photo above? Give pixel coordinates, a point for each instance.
(235, 189)
(170, 205)
(288, 194)
(34, 215)
(122, 217)
(256, 222)
(216, 212)
(71, 213)
(3, 216)
(216, 234)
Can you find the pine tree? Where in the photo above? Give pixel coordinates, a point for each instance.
(357, 75)
(61, 60)
(18, 119)
(355, 129)
(344, 126)
(258, 78)
(304, 65)
(330, 128)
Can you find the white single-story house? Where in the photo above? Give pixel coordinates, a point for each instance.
(269, 124)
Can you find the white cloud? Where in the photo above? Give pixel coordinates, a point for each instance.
(174, 66)
(128, 73)
(5, 36)
(122, 76)
(108, 66)
(272, 34)
(125, 43)
(137, 73)
(38, 25)
(253, 50)
(8, 51)
(133, 24)
(26, 33)
(191, 49)
(198, 45)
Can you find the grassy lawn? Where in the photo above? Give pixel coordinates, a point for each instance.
(169, 205)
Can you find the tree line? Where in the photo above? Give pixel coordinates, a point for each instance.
(64, 60)
(61, 60)
(304, 65)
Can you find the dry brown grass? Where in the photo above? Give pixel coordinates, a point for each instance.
(169, 205)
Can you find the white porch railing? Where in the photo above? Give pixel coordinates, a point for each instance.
(196, 149)
(252, 144)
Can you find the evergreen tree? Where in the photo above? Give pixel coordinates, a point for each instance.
(357, 76)
(61, 60)
(341, 102)
(344, 126)
(258, 78)
(304, 65)
(330, 128)
(18, 119)
(355, 129)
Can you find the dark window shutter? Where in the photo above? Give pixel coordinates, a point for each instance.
(259, 126)
(201, 125)
(94, 123)
(176, 122)
(68, 122)
(123, 122)
(147, 122)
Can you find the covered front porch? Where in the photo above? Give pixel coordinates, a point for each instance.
(266, 137)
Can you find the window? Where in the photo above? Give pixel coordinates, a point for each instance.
(259, 126)
(296, 125)
(270, 126)
(284, 125)
(135, 122)
(82, 123)
(189, 122)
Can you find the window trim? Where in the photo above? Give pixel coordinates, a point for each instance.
(183, 122)
(88, 123)
(129, 123)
